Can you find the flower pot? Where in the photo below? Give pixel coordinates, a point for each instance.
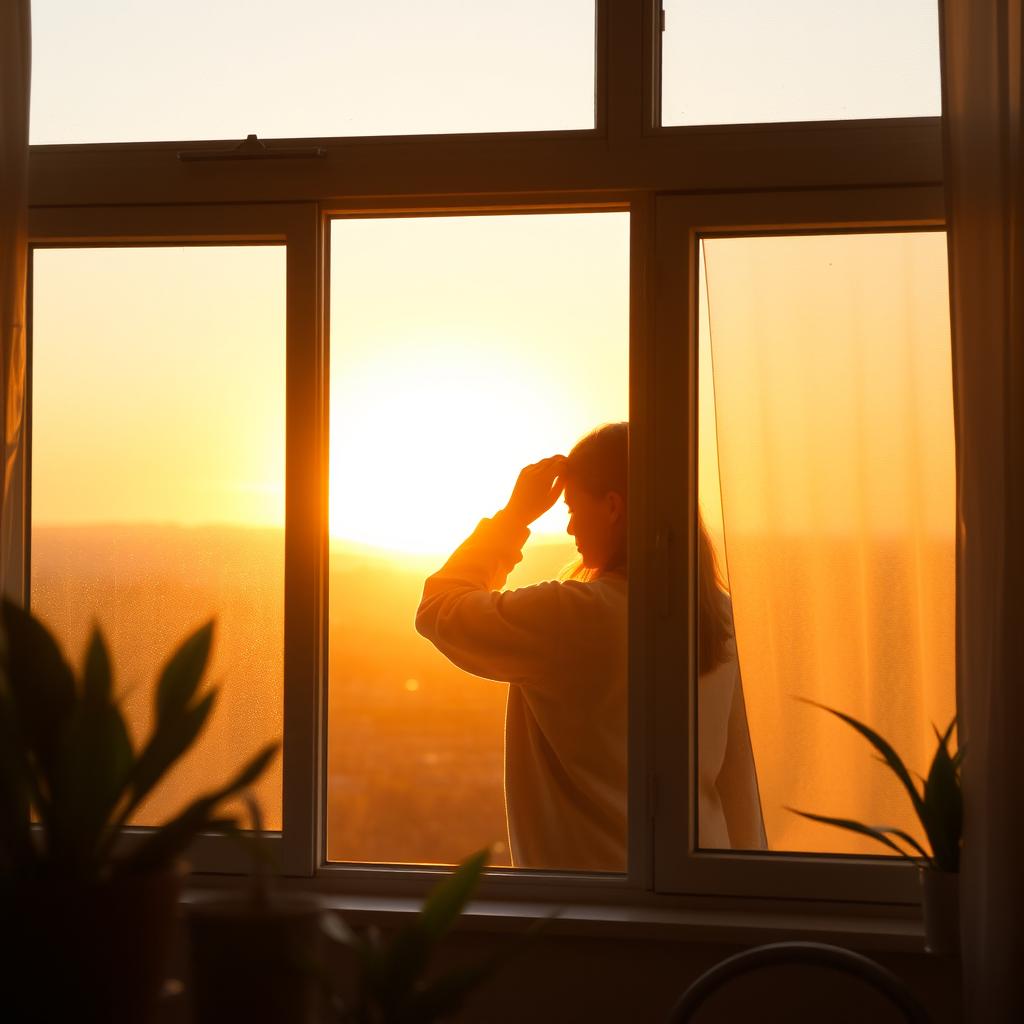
(940, 902)
(83, 952)
(254, 963)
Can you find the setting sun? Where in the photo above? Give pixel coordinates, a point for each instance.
(448, 376)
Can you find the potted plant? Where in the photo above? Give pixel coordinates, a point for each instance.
(88, 918)
(390, 982)
(252, 954)
(938, 805)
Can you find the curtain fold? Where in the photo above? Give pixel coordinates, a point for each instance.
(982, 136)
(15, 77)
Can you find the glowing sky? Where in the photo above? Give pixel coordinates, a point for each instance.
(137, 70)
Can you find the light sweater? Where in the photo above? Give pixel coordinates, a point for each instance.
(562, 648)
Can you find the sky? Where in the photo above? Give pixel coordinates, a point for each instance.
(461, 347)
(220, 69)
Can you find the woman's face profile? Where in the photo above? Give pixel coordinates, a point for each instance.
(597, 524)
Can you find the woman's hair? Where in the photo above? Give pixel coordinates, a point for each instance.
(714, 621)
(599, 463)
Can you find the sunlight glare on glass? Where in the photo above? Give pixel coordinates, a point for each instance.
(747, 61)
(464, 348)
(110, 71)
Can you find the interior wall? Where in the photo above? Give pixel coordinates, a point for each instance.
(564, 979)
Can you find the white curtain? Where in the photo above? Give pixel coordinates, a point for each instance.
(983, 121)
(826, 424)
(15, 74)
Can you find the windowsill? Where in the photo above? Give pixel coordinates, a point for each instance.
(740, 927)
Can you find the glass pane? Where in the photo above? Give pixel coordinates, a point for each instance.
(746, 61)
(158, 481)
(827, 486)
(110, 71)
(464, 348)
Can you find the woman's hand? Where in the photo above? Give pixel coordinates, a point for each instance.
(536, 490)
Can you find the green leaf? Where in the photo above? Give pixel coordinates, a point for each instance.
(17, 851)
(392, 978)
(889, 755)
(909, 840)
(854, 826)
(91, 771)
(943, 808)
(40, 682)
(446, 995)
(180, 677)
(97, 677)
(172, 737)
(446, 900)
(167, 843)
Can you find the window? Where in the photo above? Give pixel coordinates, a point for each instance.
(158, 484)
(743, 62)
(462, 349)
(363, 264)
(320, 68)
(826, 480)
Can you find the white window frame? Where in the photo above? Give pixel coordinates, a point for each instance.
(295, 227)
(682, 222)
(673, 181)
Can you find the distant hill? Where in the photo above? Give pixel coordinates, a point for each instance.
(414, 745)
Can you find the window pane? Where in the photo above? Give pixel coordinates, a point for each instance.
(111, 71)
(158, 481)
(827, 486)
(746, 61)
(464, 348)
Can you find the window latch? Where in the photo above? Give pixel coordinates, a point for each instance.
(253, 149)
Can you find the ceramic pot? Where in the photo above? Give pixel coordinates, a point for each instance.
(90, 953)
(940, 902)
(254, 964)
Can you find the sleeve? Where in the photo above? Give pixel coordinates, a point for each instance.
(510, 636)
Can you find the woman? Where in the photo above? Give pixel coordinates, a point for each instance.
(729, 804)
(562, 647)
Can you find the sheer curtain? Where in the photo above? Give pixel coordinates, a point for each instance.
(826, 423)
(983, 118)
(15, 73)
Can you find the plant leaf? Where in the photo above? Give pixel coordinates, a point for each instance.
(854, 826)
(909, 840)
(90, 774)
(180, 677)
(40, 681)
(97, 676)
(393, 977)
(167, 843)
(17, 851)
(891, 758)
(171, 738)
(447, 899)
(943, 808)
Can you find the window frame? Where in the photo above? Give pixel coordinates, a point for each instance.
(295, 227)
(139, 193)
(682, 222)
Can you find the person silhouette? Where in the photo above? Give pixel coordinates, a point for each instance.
(562, 647)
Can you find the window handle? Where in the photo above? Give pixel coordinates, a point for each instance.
(253, 149)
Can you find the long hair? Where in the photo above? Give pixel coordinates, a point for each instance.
(714, 623)
(599, 463)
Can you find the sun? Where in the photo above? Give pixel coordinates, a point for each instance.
(423, 448)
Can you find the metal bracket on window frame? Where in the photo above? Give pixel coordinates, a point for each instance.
(253, 149)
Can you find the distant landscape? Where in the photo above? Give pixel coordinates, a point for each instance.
(414, 751)
(414, 745)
